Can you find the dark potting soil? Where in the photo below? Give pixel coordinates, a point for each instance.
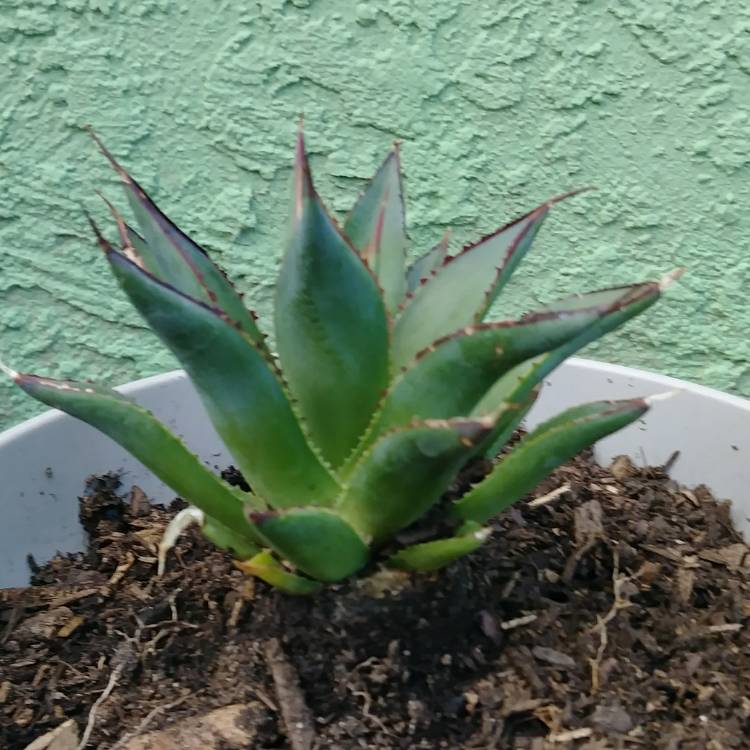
(612, 613)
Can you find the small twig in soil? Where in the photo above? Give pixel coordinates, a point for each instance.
(620, 602)
(366, 705)
(265, 700)
(294, 711)
(550, 496)
(91, 721)
(570, 735)
(517, 622)
(510, 585)
(730, 627)
(123, 659)
(122, 569)
(149, 717)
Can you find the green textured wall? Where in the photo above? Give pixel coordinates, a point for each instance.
(499, 104)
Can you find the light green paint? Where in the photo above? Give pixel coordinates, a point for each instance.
(499, 105)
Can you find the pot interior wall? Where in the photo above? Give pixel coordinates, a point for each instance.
(44, 461)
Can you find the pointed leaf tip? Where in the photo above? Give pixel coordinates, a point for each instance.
(148, 440)
(94, 227)
(167, 253)
(465, 286)
(109, 157)
(670, 278)
(425, 266)
(665, 396)
(10, 372)
(304, 189)
(259, 517)
(570, 194)
(125, 234)
(116, 215)
(376, 228)
(451, 377)
(431, 556)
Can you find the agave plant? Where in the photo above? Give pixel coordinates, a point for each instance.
(385, 382)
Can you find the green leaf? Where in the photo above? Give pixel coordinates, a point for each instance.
(170, 255)
(406, 472)
(377, 228)
(225, 538)
(242, 394)
(503, 389)
(510, 416)
(148, 440)
(429, 556)
(266, 567)
(500, 399)
(621, 304)
(551, 444)
(464, 287)
(422, 268)
(317, 541)
(450, 379)
(331, 325)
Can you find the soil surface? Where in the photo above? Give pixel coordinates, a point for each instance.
(612, 611)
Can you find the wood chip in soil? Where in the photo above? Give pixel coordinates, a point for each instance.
(613, 614)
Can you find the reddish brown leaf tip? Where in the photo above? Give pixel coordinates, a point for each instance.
(259, 517)
(104, 244)
(570, 194)
(303, 182)
(119, 220)
(108, 155)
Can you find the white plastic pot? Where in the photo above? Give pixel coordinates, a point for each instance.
(44, 461)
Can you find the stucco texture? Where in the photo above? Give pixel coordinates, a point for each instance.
(499, 105)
